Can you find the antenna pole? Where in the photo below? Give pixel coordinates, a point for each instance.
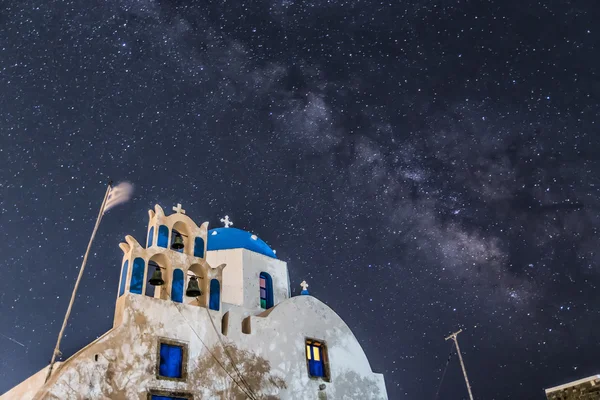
(56, 351)
(454, 337)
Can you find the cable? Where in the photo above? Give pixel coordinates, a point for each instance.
(444, 373)
(233, 363)
(213, 356)
(251, 394)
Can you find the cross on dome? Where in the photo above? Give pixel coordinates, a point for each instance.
(226, 221)
(304, 291)
(178, 209)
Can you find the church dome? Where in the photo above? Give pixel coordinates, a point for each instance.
(233, 238)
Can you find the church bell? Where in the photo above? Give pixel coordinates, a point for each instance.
(177, 242)
(156, 279)
(193, 290)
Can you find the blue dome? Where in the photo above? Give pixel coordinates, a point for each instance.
(233, 238)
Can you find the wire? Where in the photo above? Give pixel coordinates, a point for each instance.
(233, 363)
(213, 356)
(251, 394)
(444, 373)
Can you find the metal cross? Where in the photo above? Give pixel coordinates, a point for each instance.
(178, 209)
(226, 221)
(304, 285)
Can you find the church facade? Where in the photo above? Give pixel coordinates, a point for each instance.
(208, 314)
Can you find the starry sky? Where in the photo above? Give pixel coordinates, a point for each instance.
(424, 165)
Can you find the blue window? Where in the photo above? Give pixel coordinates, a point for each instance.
(156, 397)
(266, 291)
(171, 361)
(123, 278)
(316, 355)
(137, 276)
(215, 295)
(177, 287)
(163, 236)
(150, 237)
(199, 247)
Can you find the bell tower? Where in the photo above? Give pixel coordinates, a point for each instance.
(172, 262)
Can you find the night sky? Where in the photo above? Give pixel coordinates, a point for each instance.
(422, 164)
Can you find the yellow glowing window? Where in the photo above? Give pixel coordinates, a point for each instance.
(316, 355)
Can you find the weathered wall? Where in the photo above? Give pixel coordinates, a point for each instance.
(280, 337)
(170, 260)
(122, 364)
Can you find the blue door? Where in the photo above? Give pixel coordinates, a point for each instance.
(171, 361)
(314, 355)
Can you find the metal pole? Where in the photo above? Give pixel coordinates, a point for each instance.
(454, 337)
(64, 325)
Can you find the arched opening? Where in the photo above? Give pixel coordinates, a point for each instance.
(266, 291)
(180, 232)
(150, 237)
(197, 271)
(177, 286)
(246, 326)
(215, 295)
(150, 270)
(199, 247)
(160, 292)
(123, 278)
(163, 236)
(137, 276)
(225, 323)
(176, 238)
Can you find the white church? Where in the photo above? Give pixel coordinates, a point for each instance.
(208, 314)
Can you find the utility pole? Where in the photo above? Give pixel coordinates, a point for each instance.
(454, 337)
(56, 351)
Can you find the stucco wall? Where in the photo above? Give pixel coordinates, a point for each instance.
(280, 337)
(122, 364)
(233, 274)
(241, 283)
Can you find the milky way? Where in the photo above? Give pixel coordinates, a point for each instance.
(424, 166)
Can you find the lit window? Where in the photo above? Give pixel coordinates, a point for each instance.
(171, 360)
(316, 357)
(266, 291)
